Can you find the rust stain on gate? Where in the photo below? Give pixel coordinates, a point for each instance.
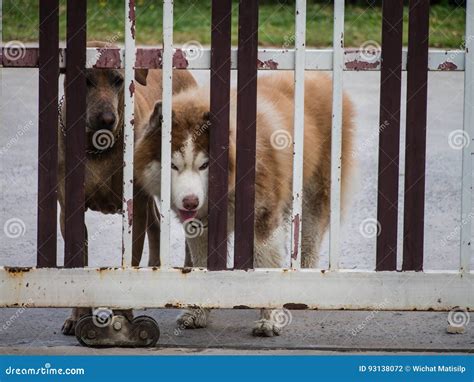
(447, 66)
(179, 60)
(108, 58)
(267, 64)
(362, 65)
(296, 230)
(131, 16)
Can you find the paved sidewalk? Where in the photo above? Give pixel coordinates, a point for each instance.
(30, 330)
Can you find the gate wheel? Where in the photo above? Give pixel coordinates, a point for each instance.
(119, 331)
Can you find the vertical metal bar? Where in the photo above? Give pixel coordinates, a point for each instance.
(128, 136)
(389, 135)
(166, 133)
(417, 79)
(246, 134)
(298, 132)
(48, 133)
(219, 135)
(336, 135)
(74, 255)
(466, 201)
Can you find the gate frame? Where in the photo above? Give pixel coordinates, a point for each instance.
(127, 287)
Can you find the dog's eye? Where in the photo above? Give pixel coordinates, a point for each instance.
(118, 81)
(204, 166)
(173, 166)
(90, 83)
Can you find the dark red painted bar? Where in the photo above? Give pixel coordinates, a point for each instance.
(26, 58)
(417, 79)
(219, 134)
(389, 135)
(48, 133)
(74, 255)
(246, 134)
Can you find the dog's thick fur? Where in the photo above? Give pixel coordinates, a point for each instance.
(104, 168)
(190, 144)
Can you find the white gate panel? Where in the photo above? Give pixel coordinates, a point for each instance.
(270, 288)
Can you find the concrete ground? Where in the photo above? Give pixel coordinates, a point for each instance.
(37, 330)
(309, 330)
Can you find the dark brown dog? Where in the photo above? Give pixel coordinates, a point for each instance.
(104, 155)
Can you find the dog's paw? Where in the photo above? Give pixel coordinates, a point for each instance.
(69, 327)
(266, 328)
(192, 319)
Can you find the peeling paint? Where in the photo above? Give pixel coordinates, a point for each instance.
(179, 60)
(14, 271)
(131, 16)
(176, 305)
(149, 58)
(295, 306)
(296, 230)
(130, 211)
(108, 58)
(362, 65)
(268, 64)
(104, 269)
(131, 88)
(447, 66)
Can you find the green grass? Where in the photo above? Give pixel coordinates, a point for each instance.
(192, 22)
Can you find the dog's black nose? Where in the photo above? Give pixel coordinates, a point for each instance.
(190, 202)
(107, 120)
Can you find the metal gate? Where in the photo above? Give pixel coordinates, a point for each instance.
(75, 285)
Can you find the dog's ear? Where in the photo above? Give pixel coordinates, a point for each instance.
(156, 117)
(141, 75)
(207, 116)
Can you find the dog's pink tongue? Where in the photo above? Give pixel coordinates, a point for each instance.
(187, 215)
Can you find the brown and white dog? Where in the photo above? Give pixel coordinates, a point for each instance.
(273, 195)
(104, 154)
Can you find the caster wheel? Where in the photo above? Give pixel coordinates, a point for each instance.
(147, 330)
(119, 331)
